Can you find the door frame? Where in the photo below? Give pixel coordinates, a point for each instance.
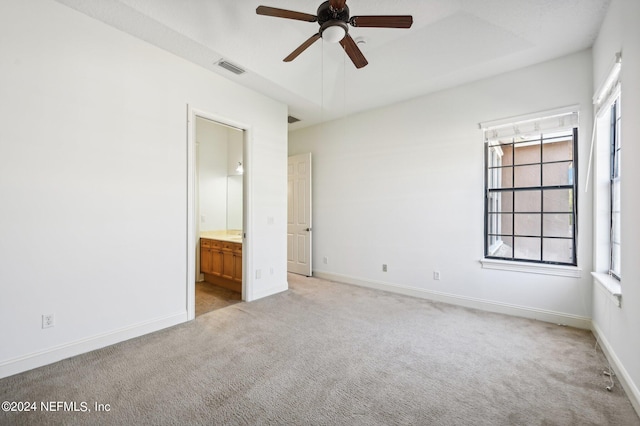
(192, 238)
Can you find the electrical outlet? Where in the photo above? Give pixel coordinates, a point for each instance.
(48, 320)
(258, 273)
(436, 275)
(325, 260)
(384, 267)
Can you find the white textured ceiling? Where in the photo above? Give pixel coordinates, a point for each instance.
(451, 42)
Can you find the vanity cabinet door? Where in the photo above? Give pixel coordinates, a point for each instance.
(217, 262)
(228, 264)
(216, 258)
(237, 263)
(205, 257)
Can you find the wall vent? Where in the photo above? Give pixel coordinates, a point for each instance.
(291, 119)
(230, 67)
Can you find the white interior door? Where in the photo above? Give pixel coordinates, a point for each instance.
(299, 215)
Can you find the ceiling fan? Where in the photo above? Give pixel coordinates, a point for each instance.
(333, 17)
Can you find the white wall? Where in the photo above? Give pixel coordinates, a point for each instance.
(403, 186)
(618, 327)
(93, 182)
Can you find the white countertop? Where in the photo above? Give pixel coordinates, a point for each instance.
(233, 236)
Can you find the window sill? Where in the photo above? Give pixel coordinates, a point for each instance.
(532, 268)
(610, 285)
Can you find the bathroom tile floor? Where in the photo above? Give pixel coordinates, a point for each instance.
(210, 297)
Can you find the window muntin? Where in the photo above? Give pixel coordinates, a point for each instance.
(530, 202)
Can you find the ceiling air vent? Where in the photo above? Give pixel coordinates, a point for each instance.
(230, 67)
(291, 119)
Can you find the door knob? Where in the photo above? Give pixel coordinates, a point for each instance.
(308, 229)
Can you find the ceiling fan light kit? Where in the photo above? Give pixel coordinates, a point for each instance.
(333, 31)
(333, 18)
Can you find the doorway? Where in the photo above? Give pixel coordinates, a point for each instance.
(217, 195)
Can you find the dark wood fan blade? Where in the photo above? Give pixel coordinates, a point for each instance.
(353, 51)
(337, 4)
(283, 13)
(302, 47)
(382, 21)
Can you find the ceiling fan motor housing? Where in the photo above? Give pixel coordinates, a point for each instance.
(327, 13)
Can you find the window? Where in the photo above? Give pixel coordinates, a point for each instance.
(614, 184)
(531, 190)
(607, 159)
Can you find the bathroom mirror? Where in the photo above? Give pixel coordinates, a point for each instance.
(234, 202)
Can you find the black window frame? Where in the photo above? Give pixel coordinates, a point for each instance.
(573, 186)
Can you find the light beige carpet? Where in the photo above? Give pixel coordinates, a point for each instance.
(324, 353)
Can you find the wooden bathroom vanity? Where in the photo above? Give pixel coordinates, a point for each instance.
(221, 262)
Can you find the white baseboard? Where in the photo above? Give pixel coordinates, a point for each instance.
(67, 350)
(259, 294)
(468, 302)
(621, 373)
